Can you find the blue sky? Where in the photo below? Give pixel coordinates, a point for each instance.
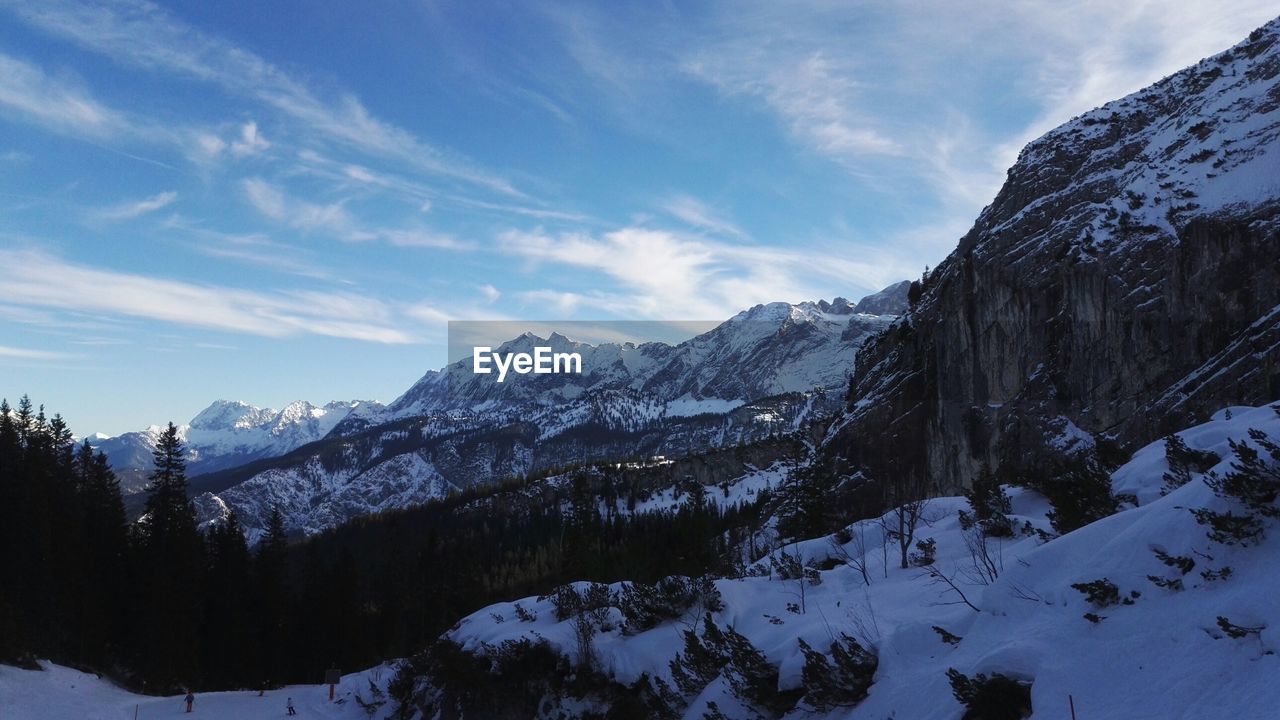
(290, 200)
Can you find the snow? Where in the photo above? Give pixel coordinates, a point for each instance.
(685, 406)
(60, 693)
(1162, 656)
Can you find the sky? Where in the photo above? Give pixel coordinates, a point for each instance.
(291, 200)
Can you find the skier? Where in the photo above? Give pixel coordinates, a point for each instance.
(289, 706)
(189, 700)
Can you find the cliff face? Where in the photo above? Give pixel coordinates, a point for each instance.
(1125, 281)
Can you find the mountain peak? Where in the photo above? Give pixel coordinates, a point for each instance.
(890, 301)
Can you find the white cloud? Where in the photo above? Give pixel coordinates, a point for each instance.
(428, 314)
(814, 94)
(421, 239)
(490, 293)
(250, 142)
(667, 275)
(142, 34)
(57, 103)
(28, 354)
(43, 281)
(696, 213)
(333, 218)
(272, 202)
(138, 208)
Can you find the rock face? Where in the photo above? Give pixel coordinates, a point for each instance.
(889, 301)
(1125, 281)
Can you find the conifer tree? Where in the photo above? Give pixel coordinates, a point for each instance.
(271, 606)
(171, 551)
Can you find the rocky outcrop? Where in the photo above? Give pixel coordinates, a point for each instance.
(1125, 281)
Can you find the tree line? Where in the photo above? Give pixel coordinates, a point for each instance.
(161, 604)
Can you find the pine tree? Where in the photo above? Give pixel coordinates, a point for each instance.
(271, 602)
(172, 555)
(106, 548)
(10, 537)
(229, 638)
(1254, 484)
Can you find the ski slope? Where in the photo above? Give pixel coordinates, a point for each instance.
(60, 693)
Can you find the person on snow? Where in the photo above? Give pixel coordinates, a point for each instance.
(289, 706)
(190, 700)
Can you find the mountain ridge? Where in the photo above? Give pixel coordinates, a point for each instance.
(1123, 282)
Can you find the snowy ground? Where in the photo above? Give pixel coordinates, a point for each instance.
(1161, 657)
(59, 693)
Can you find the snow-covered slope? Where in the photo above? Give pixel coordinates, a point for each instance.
(1156, 653)
(60, 693)
(226, 434)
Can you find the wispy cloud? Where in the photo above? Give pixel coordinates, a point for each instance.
(142, 34)
(814, 94)
(665, 274)
(28, 354)
(696, 214)
(58, 103)
(422, 196)
(333, 218)
(246, 141)
(137, 208)
(272, 202)
(43, 281)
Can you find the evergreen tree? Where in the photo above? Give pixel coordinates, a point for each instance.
(228, 638)
(105, 554)
(272, 602)
(171, 551)
(10, 537)
(1253, 484)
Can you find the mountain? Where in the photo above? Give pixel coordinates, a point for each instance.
(227, 434)
(889, 301)
(1124, 282)
(766, 370)
(1084, 616)
(765, 350)
(1113, 316)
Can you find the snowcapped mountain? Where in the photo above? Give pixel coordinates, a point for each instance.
(1124, 282)
(768, 369)
(1124, 285)
(765, 350)
(227, 434)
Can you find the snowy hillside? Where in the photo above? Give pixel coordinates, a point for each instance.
(1149, 651)
(59, 693)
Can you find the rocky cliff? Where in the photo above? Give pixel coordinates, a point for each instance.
(1125, 281)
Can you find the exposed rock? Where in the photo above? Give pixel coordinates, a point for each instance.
(1125, 281)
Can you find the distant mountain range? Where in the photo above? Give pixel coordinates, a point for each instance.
(227, 434)
(766, 370)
